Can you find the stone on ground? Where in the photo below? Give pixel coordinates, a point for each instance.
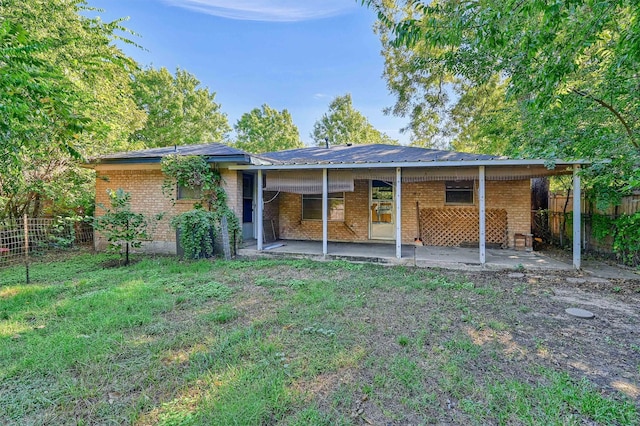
(579, 313)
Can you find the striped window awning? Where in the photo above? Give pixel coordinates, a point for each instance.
(309, 181)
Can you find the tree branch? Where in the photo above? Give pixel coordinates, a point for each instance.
(613, 111)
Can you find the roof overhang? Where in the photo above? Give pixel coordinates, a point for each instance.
(550, 165)
(240, 159)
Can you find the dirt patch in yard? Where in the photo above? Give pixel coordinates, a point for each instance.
(503, 326)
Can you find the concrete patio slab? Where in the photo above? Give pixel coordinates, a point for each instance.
(421, 256)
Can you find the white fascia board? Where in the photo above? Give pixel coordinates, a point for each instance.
(416, 164)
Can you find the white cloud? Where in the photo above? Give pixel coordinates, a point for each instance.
(320, 96)
(269, 10)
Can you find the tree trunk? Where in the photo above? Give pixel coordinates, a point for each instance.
(126, 250)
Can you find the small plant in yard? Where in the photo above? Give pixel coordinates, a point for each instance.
(403, 340)
(62, 232)
(266, 282)
(120, 225)
(625, 231)
(327, 332)
(224, 314)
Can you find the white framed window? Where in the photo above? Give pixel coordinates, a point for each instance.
(312, 206)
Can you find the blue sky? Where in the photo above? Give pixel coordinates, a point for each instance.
(293, 54)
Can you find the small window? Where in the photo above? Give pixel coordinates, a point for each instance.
(459, 192)
(312, 206)
(185, 193)
(381, 190)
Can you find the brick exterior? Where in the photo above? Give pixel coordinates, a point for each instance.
(232, 184)
(270, 216)
(145, 187)
(355, 226)
(285, 210)
(513, 196)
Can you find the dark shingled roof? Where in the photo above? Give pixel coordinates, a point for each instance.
(215, 152)
(374, 153)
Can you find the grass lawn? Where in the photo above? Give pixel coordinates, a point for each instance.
(295, 342)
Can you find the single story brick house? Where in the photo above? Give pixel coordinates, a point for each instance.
(352, 193)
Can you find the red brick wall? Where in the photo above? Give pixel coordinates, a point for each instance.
(513, 196)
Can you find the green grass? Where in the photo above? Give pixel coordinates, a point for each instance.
(272, 341)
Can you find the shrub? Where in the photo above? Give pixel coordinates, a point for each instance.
(120, 225)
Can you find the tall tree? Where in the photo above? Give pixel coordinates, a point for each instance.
(266, 129)
(483, 120)
(179, 111)
(64, 94)
(569, 69)
(344, 124)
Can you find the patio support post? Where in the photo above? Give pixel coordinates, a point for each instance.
(325, 208)
(577, 216)
(482, 208)
(398, 212)
(260, 205)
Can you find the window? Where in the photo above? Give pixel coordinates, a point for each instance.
(381, 190)
(459, 192)
(185, 193)
(312, 206)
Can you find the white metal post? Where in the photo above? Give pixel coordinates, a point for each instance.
(577, 216)
(398, 212)
(260, 205)
(325, 210)
(482, 208)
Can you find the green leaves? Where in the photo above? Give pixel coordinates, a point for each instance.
(265, 130)
(64, 96)
(120, 225)
(343, 124)
(561, 76)
(191, 172)
(626, 241)
(197, 229)
(179, 112)
(198, 226)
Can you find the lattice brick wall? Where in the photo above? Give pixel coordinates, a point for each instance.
(452, 226)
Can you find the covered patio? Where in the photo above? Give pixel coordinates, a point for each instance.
(420, 256)
(359, 195)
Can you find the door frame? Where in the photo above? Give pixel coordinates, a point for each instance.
(248, 228)
(392, 224)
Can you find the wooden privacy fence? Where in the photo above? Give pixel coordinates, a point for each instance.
(454, 226)
(19, 240)
(551, 222)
